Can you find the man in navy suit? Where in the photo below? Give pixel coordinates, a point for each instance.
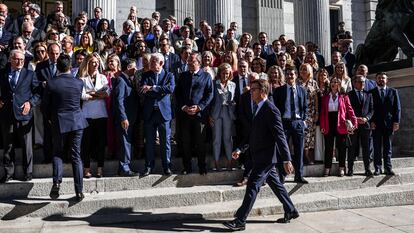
(62, 103)
(5, 35)
(266, 139)
(194, 92)
(18, 95)
(171, 60)
(384, 122)
(93, 23)
(46, 71)
(362, 104)
(125, 111)
(157, 86)
(347, 57)
(369, 84)
(290, 99)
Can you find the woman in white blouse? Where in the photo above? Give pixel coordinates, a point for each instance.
(95, 90)
(341, 74)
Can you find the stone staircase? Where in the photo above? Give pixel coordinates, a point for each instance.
(176, 197)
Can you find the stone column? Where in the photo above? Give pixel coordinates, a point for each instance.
(214, 11)
(312, 24)
(77, 7)
(183, 9)
(108, 9)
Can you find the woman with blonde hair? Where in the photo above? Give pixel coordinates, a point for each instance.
(311, 59)
(231, 58)
(86, 42)
(232, 46)
(322, 77)
(207, 59)
(39, 55)
(311, 87)
(244, 45)
(222, 114)
(276, 77)
(341, 74)
(259, 66)
(95, 90)
(133, 17)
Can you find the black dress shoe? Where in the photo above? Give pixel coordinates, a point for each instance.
(301, 180)
(235, 225)
(54, 192)
(28, 177)
(389, 173)
(368, 173)
(202, 171)
(186, 172)
(167, 172)
(79, 196)
(377, 172)
(350, 173)
(6, 179)
(288, 216)
(147, 172)
(128, 174)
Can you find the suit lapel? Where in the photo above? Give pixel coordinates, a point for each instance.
(22, 75)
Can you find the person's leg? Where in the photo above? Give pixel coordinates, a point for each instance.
(341, 144)
(298, 143)
(101, 131)
(365, 144)
(74, 140)
(150, 129)
(217, 138)
(387, 151)
(377, 138)
(8, 149)
(187, 140)
(227, 137)
(24, 133)
(125, 149)
(280, 191)
(329, 144)
(87, 143)
(354, 150)
(164, 130)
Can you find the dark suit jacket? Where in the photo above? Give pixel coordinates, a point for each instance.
(350, 62)
(362, 109)
(330, 69)
(171, 62)
(388, 112)
(237, 94)
(369, 85)
(40, 23)
(279, 98)
(124, 38)
(44, 74)
(125, 100)
(5, 38)
(245, 116)
(267, 136)
(195, 89)
(63, 103)
(161, 93)
(26, 90)
(93, 23)
(200, 43)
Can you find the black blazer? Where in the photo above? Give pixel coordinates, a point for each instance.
(267, 137)
(388, 112)
(364, 108)
(245, 116)
(171, 62)
(350, 62)
(26, 90)
(279, 98)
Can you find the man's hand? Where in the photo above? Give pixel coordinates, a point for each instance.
(395, 127)
(26, 108)
(236, 154)
(145, 88)
(288, 167)
(373, 126)
(211, 121)
(1, 104)
(362, 120)
(246, 89)
(125, 124)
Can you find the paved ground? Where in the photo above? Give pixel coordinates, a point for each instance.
(383, 220)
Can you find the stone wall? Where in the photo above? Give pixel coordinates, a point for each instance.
(145, 9)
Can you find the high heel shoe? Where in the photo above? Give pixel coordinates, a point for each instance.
(99, 173)
(87, 173)
(326, 173)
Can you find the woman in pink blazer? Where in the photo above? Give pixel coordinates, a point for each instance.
(335, 110)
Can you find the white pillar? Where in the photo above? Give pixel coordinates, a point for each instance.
(312, 23)
(183, 9)
(214, 11)
(108, 9)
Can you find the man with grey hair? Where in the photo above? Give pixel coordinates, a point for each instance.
(18, 95)
(39, 20)
(128, 29)
(194, 92)
(30, 34)
(157, 85)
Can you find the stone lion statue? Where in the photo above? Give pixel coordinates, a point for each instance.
(393, 28)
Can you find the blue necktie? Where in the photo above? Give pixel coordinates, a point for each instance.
(13, 80)
(382, 94)
(292, 104)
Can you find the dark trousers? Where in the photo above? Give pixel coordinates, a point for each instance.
(157, 122)
(296, 130)
(193, 143)
(124, 151)
(93, 142)
(359, 139)
(260, 174)
(382, 143)
(247, 161)
(63, 144)
(47, 140)
(23, 131)
(332, 137)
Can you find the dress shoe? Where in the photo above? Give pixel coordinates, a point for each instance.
(99, 172)
(28, 177)
(128, 174)
(235, 225)
(301, 180)
(146, 172)
(203, 172)
(288, 216)
(54, 192)
(6, 179)
(377, 172)
(327, 172)
(87, 173)
(79, 196)
(167, 172)
(368, 173)
(389, 173)
(243, 182)
(350, 173)
(282, 179)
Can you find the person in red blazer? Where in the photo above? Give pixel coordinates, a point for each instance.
(335, 110)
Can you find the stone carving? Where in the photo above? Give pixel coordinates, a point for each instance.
(393, 28)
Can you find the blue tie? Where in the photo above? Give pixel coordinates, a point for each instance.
(255, 107)
(13, 80)
(292, 104)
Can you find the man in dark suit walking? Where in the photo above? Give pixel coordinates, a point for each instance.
(194, 92)
(290, 99)
(157, 86)
(362, 104)
(18, 95)
(125, 112)
(266, 139)
(384, 122)
(62, 103)
(46, 71)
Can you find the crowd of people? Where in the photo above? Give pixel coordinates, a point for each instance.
(159, 82)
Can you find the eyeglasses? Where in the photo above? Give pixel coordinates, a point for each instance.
(54, 33)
